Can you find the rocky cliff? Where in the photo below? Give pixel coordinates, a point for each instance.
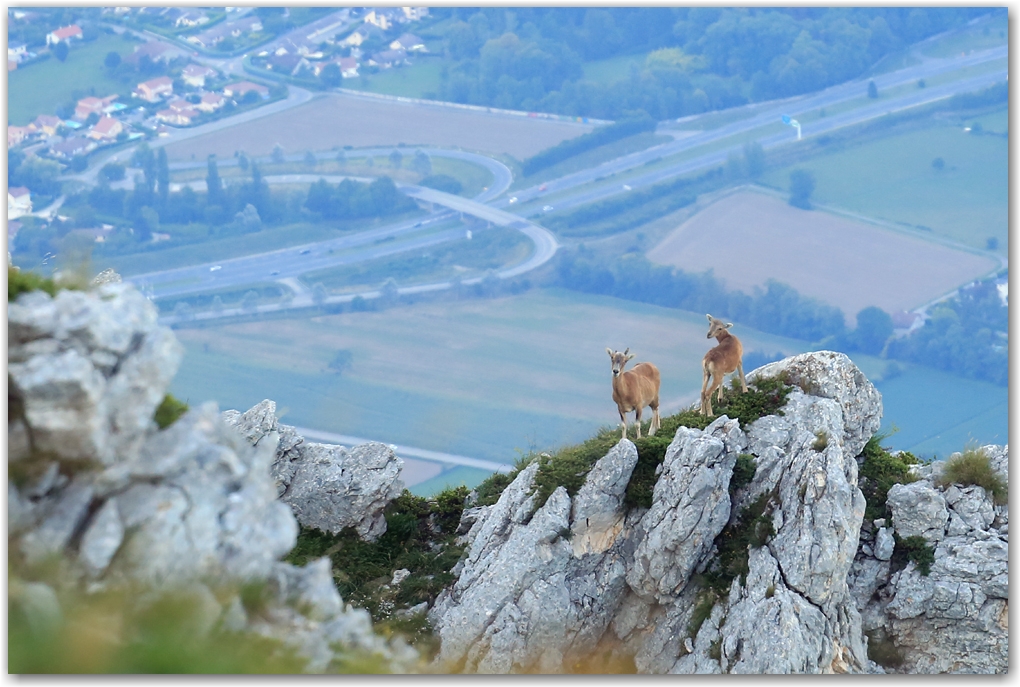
(96, 489)
(560, 586)
(752, 554)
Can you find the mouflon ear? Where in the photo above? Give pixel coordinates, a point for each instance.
(630, 357)
(627, 351)
(709, 317)
(609, 351)
(729, 324)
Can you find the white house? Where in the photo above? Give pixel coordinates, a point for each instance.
(19, 202)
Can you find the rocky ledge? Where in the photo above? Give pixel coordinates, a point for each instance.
(584, 584)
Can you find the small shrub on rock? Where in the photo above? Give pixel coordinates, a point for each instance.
(914, 549)
(973, 467)
(169, 411)
(879, 471)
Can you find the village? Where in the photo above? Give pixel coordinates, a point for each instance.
(180, 50)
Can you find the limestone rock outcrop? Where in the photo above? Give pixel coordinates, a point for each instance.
(547, 588)
(582, 582)
(955, 618)
(96, 486)
(328, 487)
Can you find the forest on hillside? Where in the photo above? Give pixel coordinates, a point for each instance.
(698, 58)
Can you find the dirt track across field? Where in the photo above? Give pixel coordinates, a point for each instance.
(333, 120)
(748, 238)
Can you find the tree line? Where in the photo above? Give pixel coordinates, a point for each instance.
(965, 335)
(702, 58)
(589, 141)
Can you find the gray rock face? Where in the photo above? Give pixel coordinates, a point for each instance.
(624, 584)
(89, 369)
(120, 502)
(955, 619)
(918, 510)
(328, 487)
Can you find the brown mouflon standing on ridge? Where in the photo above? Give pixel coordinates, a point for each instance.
(635, 389)
(720, 361)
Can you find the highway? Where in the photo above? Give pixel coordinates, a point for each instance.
(292, 262)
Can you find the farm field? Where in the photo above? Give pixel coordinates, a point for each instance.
(893, 178)
(497, 378)
(334, 120)
(478, 378)
(40, 88)
(848, 264)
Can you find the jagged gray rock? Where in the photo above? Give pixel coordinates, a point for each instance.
(328, 487)
(524, 597)
(88, 369)
(918, 510)
(121, 503)
(955, 619)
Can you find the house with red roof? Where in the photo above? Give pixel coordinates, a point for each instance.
(154, 90)
(65, 34)
(46, 124)
(106, 129)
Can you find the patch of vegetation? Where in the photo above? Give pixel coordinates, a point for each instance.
(821, 441)
(419, 538)
(110, 632)
(974, 467)
(770, 592)
(879, 471)
(168, 411)
(569, 466)
(19, 282)
(752, 529)
(914, 549)
(703, 609)
(882, 650)
(715, 650)
(743, 472)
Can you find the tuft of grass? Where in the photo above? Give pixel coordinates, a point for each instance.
(821, 441)
(702, 610)
(974, 467)
(770, 592)
(743, 472)
(419, 537)
(569, 466)
(715, 650)
(110, 632)
(19, 282)
(752, 529)
(879, 471)
(914, 549)
(169, 410)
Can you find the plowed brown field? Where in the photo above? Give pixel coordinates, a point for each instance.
(748, 238)
(334, 119)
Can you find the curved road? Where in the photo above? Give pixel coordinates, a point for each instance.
(287, 262)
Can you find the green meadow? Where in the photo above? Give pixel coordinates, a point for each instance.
(897, 178)
(419, 80)
(83, 70)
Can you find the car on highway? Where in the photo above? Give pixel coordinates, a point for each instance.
(547, 208)
(215, 268)
(274, 273)
(513, 199)
(626, 187)
(306, 251)
(542, 187)
(418, 224)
